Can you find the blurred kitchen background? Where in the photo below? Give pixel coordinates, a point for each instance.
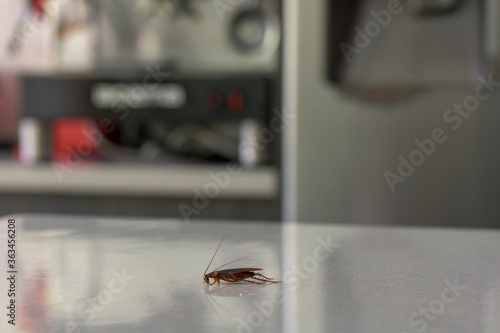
(145, 107)
(140, 107)
(369, 81)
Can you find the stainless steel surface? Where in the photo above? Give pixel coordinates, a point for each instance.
(347, 279)
(430, 7)
(396, 57)
(339, 146)
(492, 31)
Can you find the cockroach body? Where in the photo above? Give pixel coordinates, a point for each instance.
(235, 274)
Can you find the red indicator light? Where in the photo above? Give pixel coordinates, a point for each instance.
(236, 101)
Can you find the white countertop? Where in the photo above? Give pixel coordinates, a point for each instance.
(143, 275)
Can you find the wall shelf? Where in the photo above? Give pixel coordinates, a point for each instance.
(178, 181)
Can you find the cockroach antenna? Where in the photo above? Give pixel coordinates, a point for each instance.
(216, 251)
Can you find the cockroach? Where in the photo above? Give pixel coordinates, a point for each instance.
(234, 274)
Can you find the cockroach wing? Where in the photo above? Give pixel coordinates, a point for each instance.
(237, 270)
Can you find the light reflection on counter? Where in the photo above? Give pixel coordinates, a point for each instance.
(137, 276)
(95, 275)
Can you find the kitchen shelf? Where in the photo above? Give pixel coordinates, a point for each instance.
(180, 181)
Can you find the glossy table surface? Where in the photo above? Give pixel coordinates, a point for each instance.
(92, 274)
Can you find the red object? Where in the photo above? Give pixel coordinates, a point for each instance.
(73, 139)
(39, 6)
(236, 101)
(214, 100)
(15, 151)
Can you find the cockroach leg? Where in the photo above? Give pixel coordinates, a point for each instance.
(260, 282)
(263, 276)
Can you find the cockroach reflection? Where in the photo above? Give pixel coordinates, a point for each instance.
(234, 274)
(234, 290)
